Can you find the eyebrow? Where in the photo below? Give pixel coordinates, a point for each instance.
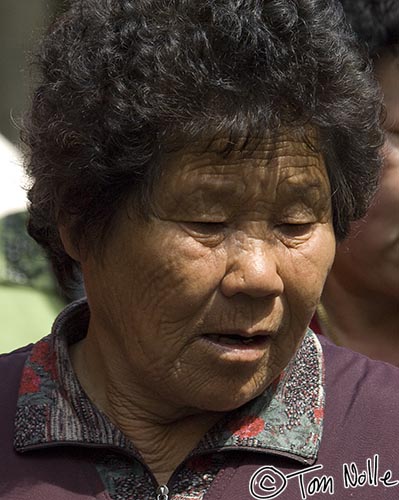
(301, 187)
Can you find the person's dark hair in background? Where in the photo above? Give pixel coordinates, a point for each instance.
(107, 107)
(375, 22)
(360, 303)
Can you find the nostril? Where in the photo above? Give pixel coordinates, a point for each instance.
(255, 284)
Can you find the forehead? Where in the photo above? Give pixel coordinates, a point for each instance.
(265, 166)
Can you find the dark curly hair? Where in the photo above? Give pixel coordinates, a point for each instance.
(375, 22)
(121, 78)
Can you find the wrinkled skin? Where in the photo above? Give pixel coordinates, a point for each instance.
(238, 243)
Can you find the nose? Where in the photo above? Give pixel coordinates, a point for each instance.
(252, 270)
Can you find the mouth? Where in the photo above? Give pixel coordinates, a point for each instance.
(238, 340)
(238, 346)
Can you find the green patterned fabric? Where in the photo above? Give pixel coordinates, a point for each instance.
(29, 298)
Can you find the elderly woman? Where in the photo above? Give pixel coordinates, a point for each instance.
(197, 160)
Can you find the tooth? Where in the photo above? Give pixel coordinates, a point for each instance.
(247, 341)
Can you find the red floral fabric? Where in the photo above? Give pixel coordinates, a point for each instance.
(248, 426)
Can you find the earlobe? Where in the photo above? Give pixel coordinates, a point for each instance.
(70, 248)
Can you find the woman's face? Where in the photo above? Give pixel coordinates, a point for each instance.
(369, 259)
(208, 300)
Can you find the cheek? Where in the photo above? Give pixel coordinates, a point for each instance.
(325, 255)
(385, 206)
(391, 157)
(379, 229)
(306, 271)
(175, 279)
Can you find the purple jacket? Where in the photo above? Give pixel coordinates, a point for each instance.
(358, 457)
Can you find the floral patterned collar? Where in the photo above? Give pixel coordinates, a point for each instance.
(53, 409)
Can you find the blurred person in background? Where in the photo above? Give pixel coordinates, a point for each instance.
(360, 302)
(30, 298)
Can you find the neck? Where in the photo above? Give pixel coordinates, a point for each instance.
(162, 432)
(360, 320)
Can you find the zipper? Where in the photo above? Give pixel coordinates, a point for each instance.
(162, 492)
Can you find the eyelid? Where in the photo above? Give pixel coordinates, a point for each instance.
(207, 233)
(295, 223)
(202, 224)
(295, 230)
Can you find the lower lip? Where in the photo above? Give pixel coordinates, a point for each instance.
(238, 352)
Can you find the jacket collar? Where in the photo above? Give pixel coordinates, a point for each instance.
(53, 409)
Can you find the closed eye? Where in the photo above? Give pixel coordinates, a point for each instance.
(295, 230)
(208, 233)
(205, 227)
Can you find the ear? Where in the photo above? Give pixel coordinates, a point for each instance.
(70, 248)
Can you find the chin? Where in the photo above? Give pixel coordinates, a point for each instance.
(231, 399)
